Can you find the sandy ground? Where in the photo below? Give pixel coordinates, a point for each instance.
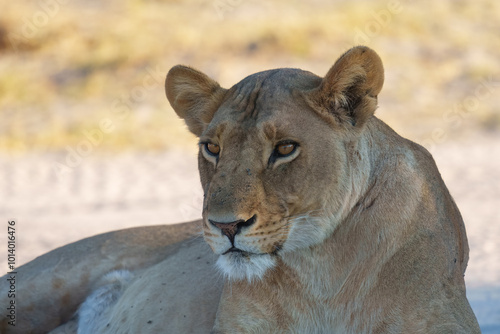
(105, 193)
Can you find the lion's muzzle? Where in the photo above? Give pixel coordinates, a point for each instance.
(231, 229)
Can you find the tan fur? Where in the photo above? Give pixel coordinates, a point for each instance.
(355, 232)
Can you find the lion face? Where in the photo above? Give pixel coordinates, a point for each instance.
(273, 160)
(259, 167)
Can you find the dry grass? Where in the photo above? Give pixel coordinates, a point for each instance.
(68, 66)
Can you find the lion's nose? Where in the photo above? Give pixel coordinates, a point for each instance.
(231, 229)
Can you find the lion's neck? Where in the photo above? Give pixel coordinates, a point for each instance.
(362, 161)
(347, 242)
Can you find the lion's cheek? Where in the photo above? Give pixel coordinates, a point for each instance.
(308, 230)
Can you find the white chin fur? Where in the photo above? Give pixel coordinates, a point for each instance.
(237, 266)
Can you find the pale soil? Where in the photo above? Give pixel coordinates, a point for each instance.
(112, 192)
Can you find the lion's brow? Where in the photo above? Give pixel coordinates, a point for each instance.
(251, 110)
(252, 90)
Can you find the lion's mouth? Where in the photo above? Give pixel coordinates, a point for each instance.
(234, 250)
(239, 252)
(242, 253)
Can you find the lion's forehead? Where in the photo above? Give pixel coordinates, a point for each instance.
(261, 111)
(259, 96)
(270, 121)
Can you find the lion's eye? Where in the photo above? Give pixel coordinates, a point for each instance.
(283, 150)
(212, 149)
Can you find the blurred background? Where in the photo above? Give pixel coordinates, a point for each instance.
(89, 143)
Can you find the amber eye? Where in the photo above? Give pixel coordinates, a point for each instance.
(285, 149)
(213, 149)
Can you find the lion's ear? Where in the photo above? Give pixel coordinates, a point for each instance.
(194, 96)
(348, 92)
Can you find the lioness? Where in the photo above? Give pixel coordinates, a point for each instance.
(320, 218)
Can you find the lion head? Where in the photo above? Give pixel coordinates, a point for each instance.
(273, 162)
